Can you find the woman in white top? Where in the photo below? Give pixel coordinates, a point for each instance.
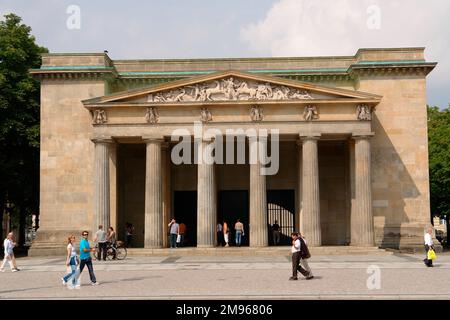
(9, 245)
(72, 262)
(428, 245)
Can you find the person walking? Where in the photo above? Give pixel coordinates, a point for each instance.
(239, 228)
(72, 262)
(304, 256)
(181, 234)
(226, 233)
(428, 239)
(219, 230)
(128, 234)
(295, 250)
(174, 229)
(100, 239)
(85, 257)
(276, 233)
(8, 246)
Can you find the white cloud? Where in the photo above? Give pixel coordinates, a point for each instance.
(340, 27)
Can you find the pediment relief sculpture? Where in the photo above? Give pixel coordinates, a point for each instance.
(229, 89)
(363, 112)
(152, 115)
(310, 113)
(99, 116)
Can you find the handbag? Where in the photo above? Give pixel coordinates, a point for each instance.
(431, 255)
(179, 238)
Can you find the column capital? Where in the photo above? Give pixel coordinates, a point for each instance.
(102, 139)
(309, 136)
(362, 135)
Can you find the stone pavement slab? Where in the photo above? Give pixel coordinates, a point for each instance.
(399, 276)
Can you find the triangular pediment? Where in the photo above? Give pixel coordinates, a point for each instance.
(233, 86)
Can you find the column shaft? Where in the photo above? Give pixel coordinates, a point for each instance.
(206, 198)
(153, 196)
(102, 188)
(362, 220)
(258, 199)
(310, 220)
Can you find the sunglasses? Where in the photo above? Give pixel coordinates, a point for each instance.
(85, 234)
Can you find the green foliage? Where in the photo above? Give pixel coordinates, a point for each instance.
(19, 116)
(439, 160)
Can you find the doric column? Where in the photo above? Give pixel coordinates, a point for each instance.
(258, 197)
(101, 181)
(310, 219)
(362, 219)
(298, 215)
(153, 237)
(206, 195)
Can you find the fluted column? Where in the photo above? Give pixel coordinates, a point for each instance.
(362, 220)
(153, 237)
(101, 181)
(298, 226)
(206, 195)
(258, 197)
(310, 219)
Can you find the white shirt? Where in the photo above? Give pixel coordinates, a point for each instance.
(296, 246)
(73, 251)
(427, 239)
(8, 245)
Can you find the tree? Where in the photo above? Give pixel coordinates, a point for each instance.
(19, 120)
(439, 161)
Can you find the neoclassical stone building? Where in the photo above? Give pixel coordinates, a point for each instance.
(353, 152)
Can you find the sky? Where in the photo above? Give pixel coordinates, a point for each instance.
(168, 29)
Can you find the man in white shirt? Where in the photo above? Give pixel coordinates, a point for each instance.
(428, 245)
(295, 249)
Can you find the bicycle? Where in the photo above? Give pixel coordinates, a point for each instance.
(117, 251)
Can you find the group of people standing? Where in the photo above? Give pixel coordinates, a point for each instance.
(176, 233)
(224, 231)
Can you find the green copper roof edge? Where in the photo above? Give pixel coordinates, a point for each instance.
(56, 68)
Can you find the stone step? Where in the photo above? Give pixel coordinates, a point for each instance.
(246, 251)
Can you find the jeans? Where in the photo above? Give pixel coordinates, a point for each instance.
(88, 263)
(276, 237)
(173, 240)
(238, 237)
(73, 274)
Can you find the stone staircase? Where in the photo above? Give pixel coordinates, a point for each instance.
(263, 251)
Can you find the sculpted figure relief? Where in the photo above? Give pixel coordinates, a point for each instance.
(310, 113)
(152, 115)
(205, 115)
(256, 113)
(363, 112)
(99, 116)
(229, 89)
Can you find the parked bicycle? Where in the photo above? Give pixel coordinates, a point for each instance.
(118, 251)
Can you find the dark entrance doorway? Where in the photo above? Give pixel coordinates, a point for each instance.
(233, 205)
(281, 207)
(185, 210)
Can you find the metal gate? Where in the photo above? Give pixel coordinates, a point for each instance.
(281, 207)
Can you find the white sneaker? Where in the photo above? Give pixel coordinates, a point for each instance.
(94, 283)
(63, 282)
(70, 287)
(78, 287)
(14, 270)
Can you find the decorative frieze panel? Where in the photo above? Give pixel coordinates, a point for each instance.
(310, 113)
(230, 89)
(363, 112)
(152, 115)
(99, 116)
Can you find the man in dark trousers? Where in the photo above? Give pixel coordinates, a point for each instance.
(296, 256)
(276, 233)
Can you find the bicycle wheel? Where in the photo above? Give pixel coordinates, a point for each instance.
(110, 253)
(121, 253)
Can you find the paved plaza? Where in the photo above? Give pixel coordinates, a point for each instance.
(401, 276)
